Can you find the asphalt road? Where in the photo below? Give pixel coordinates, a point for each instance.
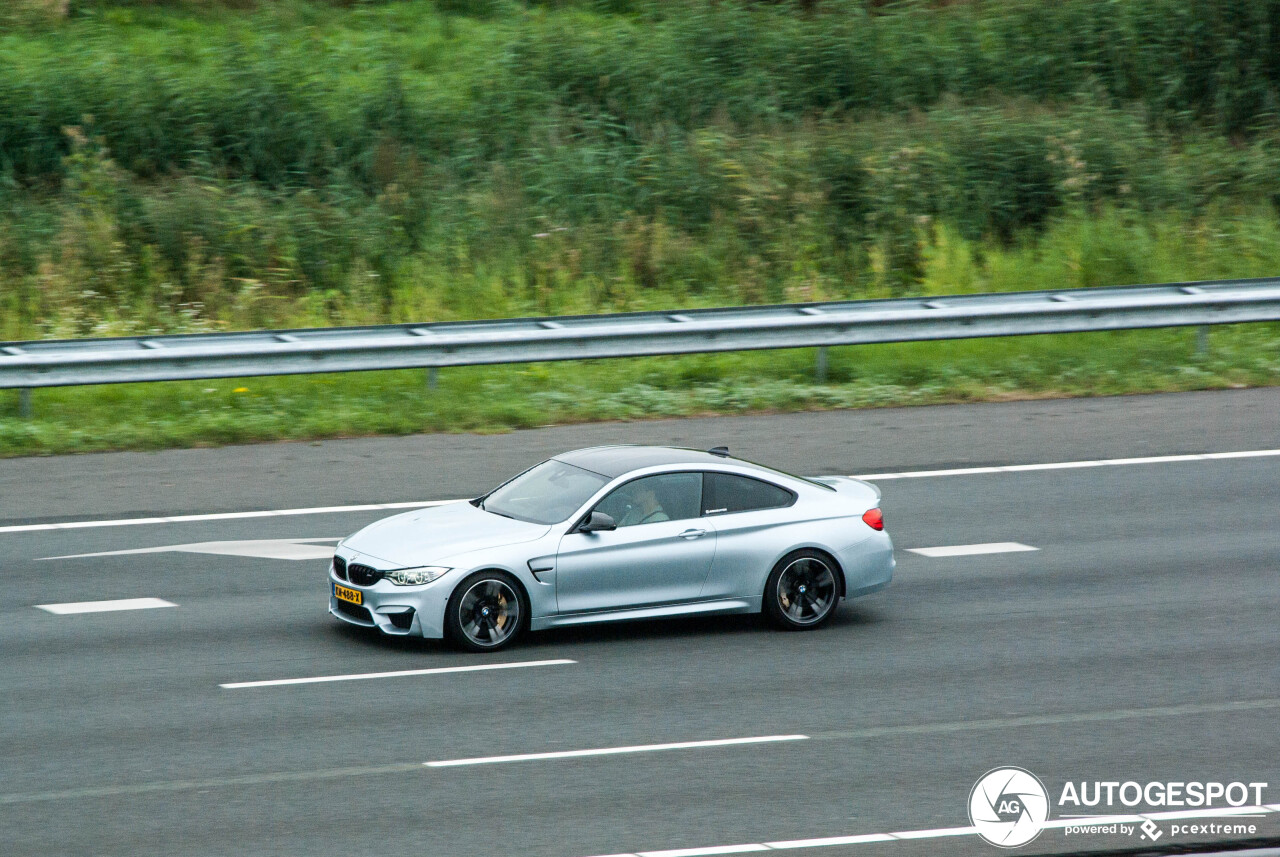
(1137, 642)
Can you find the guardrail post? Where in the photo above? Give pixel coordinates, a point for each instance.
(820, 365)
(1202, 340)
(433, 378)
(24, 403)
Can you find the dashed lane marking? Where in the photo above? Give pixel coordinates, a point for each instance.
(280, 682)
(105, 606)
(972, 550)
(295, 549)
(613, 751)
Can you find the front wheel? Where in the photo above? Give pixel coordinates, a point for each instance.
(802, 591)
(486, 612)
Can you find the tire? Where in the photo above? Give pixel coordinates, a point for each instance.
(790, 601)
(487, 611)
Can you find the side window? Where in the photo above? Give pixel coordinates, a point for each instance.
(725, 492)
(650, 499)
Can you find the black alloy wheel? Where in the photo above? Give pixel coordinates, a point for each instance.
(802, 592)
(486, 612)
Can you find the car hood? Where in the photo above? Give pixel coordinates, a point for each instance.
(426, 536)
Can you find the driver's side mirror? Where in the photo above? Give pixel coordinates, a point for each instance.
(596, 522)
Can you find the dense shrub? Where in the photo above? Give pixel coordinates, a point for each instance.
(593, 153)
(265, 109)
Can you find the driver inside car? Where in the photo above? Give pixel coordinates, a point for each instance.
(645, 508)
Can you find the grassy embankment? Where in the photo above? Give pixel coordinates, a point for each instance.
(185, 167)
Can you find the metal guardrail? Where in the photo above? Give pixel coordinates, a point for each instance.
(56, 363)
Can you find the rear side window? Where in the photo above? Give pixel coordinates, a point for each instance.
(726, 492)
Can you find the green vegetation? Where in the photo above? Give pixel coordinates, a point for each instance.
(197, 165)
(1075, 250)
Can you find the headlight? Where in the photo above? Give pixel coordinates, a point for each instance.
(416, 576)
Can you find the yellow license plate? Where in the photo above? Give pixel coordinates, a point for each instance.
(355, 596)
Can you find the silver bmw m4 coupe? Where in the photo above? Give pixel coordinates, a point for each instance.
(614, 533)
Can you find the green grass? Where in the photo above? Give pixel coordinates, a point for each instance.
(1084, 250)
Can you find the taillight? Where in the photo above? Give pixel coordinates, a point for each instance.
(874, 518)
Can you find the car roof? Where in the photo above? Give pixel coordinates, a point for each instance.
(615, 461)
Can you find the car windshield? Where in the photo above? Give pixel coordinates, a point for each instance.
(546, 494)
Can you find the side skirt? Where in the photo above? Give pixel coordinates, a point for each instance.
(698, 608)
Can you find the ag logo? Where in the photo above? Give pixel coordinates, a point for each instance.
(1007, 807)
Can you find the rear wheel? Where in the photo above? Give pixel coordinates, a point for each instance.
(486, 612)
(802, 592)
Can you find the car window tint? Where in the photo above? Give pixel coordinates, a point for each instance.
(725, 492)
(651, 499)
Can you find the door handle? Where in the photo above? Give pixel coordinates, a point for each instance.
(693, 534)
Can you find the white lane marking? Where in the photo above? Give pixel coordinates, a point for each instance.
(1074, 465)
(830, 840)
(296, 549)
(612, 751)
(706, 852)
(936, 833)
(278, 682)
(219, 516)
(106, 606)
(972, 550)
(939, 833)
(372, 507)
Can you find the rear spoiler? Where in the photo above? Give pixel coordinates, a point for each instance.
(848, 485)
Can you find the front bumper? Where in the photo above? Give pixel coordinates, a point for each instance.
(399, 611)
